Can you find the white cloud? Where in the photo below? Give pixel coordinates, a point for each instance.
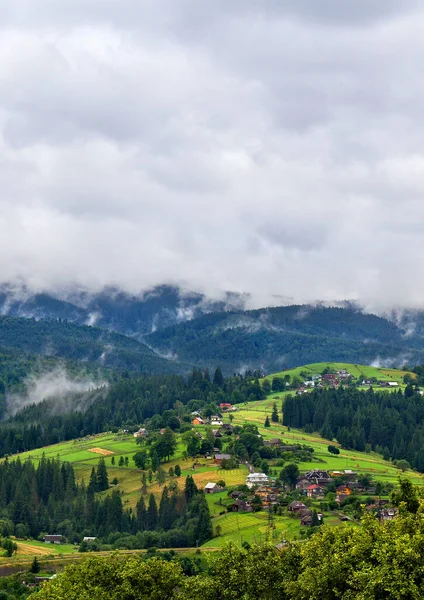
(265, 147)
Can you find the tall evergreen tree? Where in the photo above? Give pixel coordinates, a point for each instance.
(92, 486)
(218, 378)
(152, 513)
(102, 476)
(274, 415)
(141, 514)
(190, 489)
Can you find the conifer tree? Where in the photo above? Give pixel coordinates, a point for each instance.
(190, 489)
(154, 460)
(102, 476)
(92, 486)
(267, 423)
(144, 484)
(218, 377)
(274, 415)
(35, 566)
(152, 514)
(204, 524)
(160, 476)
(177, 470)
(141, 513)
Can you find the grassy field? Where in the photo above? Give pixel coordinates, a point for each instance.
(85, 453)
(358, 371)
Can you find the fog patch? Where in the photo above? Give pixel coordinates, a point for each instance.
(55, 386)
(92, 319)
(390, 362)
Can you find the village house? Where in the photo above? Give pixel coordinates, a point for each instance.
(343, 374)
(318, 476)
(344, 489)
(306, 519)
(315, 491)
(227, 429)
(141, 433)
(256, 479)
(241, 506)
(53, 539)
(236, 494)
(296, 506)
(225, 406)
(216, 433)
(386, 514)
(302, 484)
(218, 458)
(275, 442)
(197, 421)
(211, 488)
(216, 422)
(268, 495)
(88, 539)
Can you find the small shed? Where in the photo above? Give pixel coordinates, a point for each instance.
(53, 539)
(211, 488)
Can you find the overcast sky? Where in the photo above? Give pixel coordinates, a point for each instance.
(274, 146)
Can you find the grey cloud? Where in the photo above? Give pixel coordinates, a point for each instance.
(265, 147)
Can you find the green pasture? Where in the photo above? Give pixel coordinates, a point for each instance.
(356, 370)
(251, 528)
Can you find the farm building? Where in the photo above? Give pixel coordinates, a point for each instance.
(141, 433)
(88, 539)
(296, 506)
(217, 423)
(225, 406)
(53, 539)
(218, 458)
(197, 421)
(256, 479)
(211, 488)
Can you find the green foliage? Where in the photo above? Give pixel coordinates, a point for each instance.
(140, 459)
(289, 474)
(116, 578)
(35, 566)
(333, 449)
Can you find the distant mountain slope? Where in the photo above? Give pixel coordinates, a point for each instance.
(284, 337)
(191, 329)
(114, 309)
(58, 338)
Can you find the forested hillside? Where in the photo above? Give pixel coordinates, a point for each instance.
(113, 308)
(193, 330)
(391, 424)
(125, 403)
(284, 337)
(60, 339)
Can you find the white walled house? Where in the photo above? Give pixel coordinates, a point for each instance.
(256, 479)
